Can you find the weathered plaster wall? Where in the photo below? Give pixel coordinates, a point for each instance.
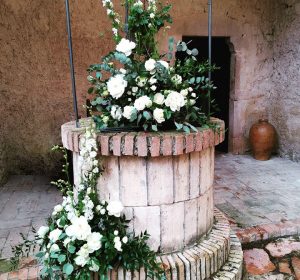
(35, 91)
(284, 102)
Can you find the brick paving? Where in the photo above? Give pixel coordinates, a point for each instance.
(25, 201)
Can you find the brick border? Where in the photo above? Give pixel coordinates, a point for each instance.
(268, 231)
(144, 144)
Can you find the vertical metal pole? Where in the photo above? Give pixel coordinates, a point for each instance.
(209, 49)
(71, 62)
(126, 19)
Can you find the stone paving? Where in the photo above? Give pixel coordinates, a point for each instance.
(255, 192)
(25, 201)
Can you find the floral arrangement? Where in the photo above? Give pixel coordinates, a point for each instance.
(84, 235)
(137, 87)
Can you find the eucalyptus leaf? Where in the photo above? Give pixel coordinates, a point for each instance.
(68, 268)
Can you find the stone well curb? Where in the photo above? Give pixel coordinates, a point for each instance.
(144, 144)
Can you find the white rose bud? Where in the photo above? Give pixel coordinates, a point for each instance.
(159, 98)
(150, 64)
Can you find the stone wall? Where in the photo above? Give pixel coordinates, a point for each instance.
(284, 109)
(35, 80)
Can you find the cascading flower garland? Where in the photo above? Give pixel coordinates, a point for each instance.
(135, 86)
(84, 235)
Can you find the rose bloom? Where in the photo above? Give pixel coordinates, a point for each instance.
(116, 112)
(175, 101)
(94, 242)
(177, 79)
(142, 102)
(42, 231)
(164, 63)
(80, 229)
(150, 64)
(158, 115)
(116, 86)
(159, 98)
(128, 111)
(125, 46)
(54, 235)
(115, 208)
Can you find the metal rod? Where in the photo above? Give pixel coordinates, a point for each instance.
(209, 50)
(71, 62)
(126, 18)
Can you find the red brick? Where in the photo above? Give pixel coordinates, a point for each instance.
(178, 145)
(284, 267)
(211, 138)
(26, 262)
(116, 141)
(33, 273)
(283, 247)
(206, 142)
(141, 143)
(23, 274)
(257, 262)
(217, 136)
(167, 145)
(13, 275)
(296, 266)
(155, 146)
(198, 141)
(104, 145)
(3, 276)
(128, 144)
(189, 143)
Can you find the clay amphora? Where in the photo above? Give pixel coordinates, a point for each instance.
(262, 139)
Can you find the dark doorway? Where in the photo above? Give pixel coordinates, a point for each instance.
(221, 78)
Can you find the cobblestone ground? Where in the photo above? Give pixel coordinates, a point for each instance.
(25, 201)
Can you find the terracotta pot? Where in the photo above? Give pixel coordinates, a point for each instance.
(262, 139)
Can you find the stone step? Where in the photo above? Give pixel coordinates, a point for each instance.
(233, 268)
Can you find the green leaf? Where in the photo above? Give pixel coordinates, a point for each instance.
(154, 127)
(61, 258)
(71, 249)
(68, 268)
(195, 52)
(98, 75)
(147, 115)
(90, 90)
(178, 125)
(186, 129)
(40, 254)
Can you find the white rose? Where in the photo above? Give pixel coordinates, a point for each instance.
(190, 89)
(128, 111)
(115, 208)
(117, 243)
(152, 80)
(116, 232)
(142, 102)
(67, 241)
(80, 229)
(184, 92)
(158, 115)
(193, 94)
(192, 102)
(150, 64)
(81, 261)
(164, 63)
(159, 98)
(153, 88)
(102, 211)
(123, 71)
(135, 89)
(175, 101)
(115, 31)
(116, 86)
(42, 231)
(116, 112)
(54, 248)
(125, 239)
(54, 235)
(94, 242)
(177, 79)
(125, 46)
(152, 15)
(141, 81)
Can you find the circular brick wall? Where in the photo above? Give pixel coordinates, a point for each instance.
(164, 180)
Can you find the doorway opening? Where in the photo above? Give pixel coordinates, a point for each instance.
(221, 57)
